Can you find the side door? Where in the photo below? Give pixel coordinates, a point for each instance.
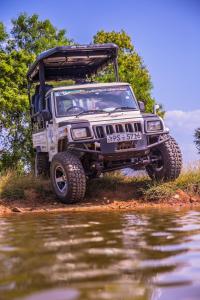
(50, 129)
(39, 135)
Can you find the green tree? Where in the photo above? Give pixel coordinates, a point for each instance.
(3, 34)
(34, 35)
(197, 139)
(131, 66)
(14, 107)
(28, 37)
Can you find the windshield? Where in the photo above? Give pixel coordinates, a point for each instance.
(94, 100)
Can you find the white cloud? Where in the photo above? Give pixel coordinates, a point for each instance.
(182, 125)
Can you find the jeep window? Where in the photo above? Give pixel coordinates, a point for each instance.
(88, 100)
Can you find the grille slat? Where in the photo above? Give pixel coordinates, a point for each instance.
(102, 130)
(129, 127)
(99, 132)
(119, 128)
(109, 129)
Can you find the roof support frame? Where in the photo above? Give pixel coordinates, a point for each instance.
(42, 83)
(88, 60)
(116, 69)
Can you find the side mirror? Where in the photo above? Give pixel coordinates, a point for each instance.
(155, 108)
(46, 115)
(141, 106)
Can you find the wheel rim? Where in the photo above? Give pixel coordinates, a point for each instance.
(61, 179)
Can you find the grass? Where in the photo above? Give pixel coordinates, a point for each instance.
(112, 186)
(188, 181)
(14, 186)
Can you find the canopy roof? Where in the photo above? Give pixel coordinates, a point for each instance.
(72, 62)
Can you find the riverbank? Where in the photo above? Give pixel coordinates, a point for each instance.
(112, 192)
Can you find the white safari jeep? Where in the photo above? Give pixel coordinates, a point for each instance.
(86, 129)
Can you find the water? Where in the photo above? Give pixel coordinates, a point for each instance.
(152, 254)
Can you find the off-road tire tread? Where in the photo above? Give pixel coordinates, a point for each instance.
(43, 165)
(173, 161)
(75, 174)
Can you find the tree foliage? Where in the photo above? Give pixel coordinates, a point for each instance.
(131, 66)
(3, 34)
(34, 35)
(14, 107)
(197, 139)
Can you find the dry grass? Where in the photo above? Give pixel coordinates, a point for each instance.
(188, 181)
(14, 186)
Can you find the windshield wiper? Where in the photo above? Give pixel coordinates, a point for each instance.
(91, 111)
(122, 108)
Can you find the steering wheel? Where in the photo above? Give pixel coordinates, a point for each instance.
(75, 107)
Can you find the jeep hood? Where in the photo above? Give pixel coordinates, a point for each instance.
(103, 117)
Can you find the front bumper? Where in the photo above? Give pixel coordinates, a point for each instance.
(110, 151)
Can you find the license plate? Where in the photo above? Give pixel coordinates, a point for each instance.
(123, 137)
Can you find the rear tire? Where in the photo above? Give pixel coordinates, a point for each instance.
(68, 177)
(169, 164)
(42, 165)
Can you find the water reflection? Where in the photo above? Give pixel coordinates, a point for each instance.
(136, 255)
(57, 294)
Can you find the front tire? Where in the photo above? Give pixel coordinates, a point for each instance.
(68, 177)
(168, 161)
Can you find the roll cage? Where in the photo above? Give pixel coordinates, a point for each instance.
(72, 62)
(69, 63)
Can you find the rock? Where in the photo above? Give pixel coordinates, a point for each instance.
(31, 208)
(194, 199)
(183, 196)
(16, 209)
(176, 196)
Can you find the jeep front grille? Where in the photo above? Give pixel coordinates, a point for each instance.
(102, 131)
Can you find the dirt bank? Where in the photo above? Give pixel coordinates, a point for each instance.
(34, 204)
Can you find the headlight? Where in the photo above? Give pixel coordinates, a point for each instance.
(80, 133)
(154, 125)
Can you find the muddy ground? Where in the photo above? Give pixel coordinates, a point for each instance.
(35, 204)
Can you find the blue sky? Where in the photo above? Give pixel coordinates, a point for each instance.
(165, 33)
